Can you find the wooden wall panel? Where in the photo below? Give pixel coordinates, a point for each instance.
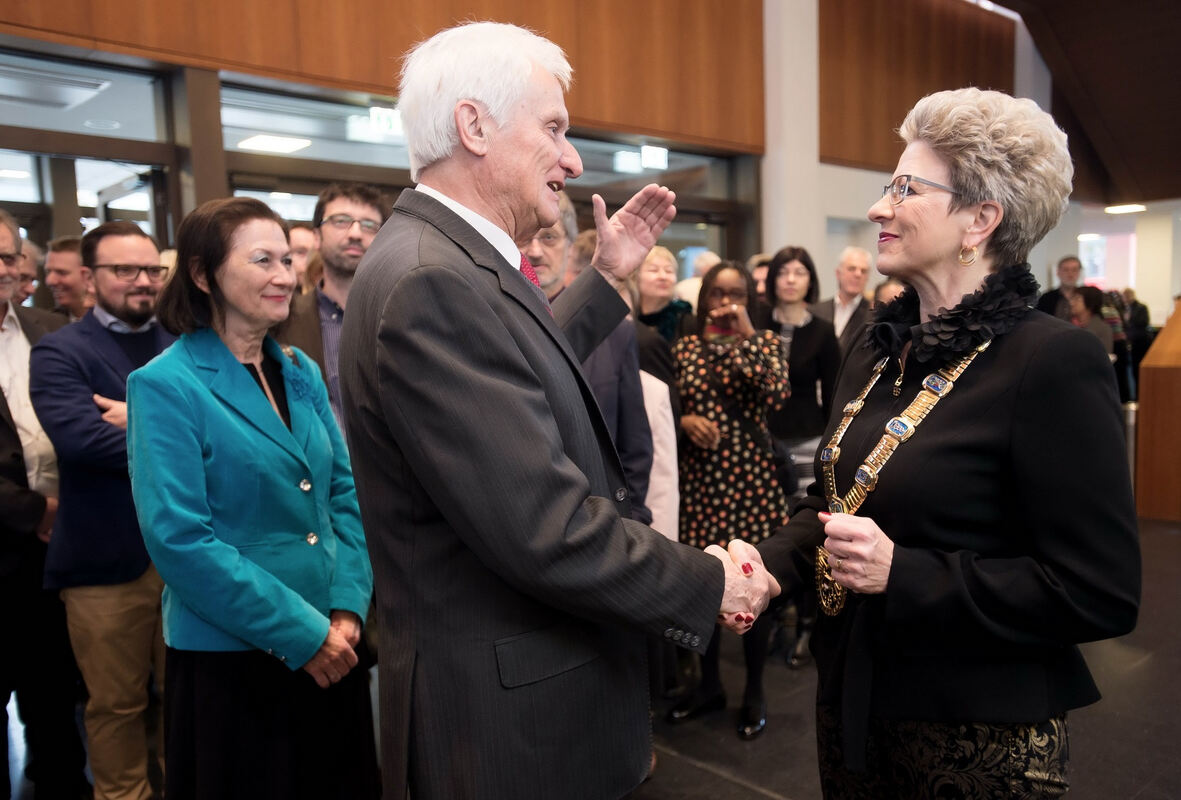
(687, 71)
(334, 50)
(877, 59)
(70, 17)
(225, 32)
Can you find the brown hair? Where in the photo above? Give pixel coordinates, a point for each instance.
(202, 246)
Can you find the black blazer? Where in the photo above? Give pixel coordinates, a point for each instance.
(1015, 536)
(21, 508)
(613, 372)
(96, 538)
(854, 331)
(813, 361)
(512, 592)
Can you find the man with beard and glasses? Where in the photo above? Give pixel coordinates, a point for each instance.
(347, 217)
(77, 383)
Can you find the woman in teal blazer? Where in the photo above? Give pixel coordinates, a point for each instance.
(245, 495)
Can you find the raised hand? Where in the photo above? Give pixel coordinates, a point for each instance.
(631, 232)
(749, 587)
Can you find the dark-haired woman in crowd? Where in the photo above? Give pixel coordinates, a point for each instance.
(245, 496)
(963, 536)
(730, 377)
(810, 344)
(813, 357)
(1086, 311)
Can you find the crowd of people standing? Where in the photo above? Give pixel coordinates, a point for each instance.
(442, 437)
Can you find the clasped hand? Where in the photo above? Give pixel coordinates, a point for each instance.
(336, 656)
(749, 587)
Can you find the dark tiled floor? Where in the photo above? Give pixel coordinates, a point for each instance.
(1123, 748)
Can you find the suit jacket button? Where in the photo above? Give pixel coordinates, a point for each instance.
(305, 485)
(621, 494)
(696, 642)
(312, 538)
(668, 633)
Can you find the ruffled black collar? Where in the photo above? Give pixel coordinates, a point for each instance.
(992, 310)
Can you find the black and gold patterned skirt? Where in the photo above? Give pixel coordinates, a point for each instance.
(946, 761)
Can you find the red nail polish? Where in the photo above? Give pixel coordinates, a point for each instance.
(739, 618)
(747, 568)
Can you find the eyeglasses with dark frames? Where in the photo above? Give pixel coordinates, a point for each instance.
(130, 272)
(899, 188)
(342, 222)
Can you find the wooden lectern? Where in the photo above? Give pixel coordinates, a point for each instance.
(1158, 426)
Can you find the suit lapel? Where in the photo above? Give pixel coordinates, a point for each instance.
(296, 383)
(516, 286)
(485, 256)
(229, 380)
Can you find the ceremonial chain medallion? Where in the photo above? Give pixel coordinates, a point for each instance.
(899, 429)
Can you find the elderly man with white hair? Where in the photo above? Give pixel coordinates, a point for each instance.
(514, 594)
(848, 310)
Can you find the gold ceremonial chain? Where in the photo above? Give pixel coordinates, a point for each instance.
(936, 386)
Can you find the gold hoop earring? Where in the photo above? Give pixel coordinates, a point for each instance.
(971, 258)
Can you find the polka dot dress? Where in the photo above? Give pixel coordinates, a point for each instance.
(731, 492)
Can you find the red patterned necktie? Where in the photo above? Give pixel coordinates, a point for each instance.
(528, 271)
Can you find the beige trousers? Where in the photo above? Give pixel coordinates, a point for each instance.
(119, 644)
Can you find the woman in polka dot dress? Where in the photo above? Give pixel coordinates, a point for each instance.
(730, 377)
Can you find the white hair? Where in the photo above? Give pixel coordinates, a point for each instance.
(488, 62)
(853, 250)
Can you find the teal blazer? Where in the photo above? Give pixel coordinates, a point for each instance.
(253, 527)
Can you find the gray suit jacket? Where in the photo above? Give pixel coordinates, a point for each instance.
(854, 332)
(512, 591)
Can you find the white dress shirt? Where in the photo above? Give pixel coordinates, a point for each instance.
(843, 312)
(40, 460)
(492, 233)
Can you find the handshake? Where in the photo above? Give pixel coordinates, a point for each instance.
(749, 587)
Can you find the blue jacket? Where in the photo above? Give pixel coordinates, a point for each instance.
(96, 539)
(253, 527)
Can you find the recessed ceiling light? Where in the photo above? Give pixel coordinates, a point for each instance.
(102, 124)
(265, 143)
(1130, 208)
(654, 157)
(14, 174)
(280, 195)
(1089, 237)
(628, 161)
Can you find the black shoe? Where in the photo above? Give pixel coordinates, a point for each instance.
(752, 721)
(694, 706)
(800, 654)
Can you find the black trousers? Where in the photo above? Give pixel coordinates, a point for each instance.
(39, 667)
(243, 725)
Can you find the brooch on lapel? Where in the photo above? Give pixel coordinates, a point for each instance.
(296, 378)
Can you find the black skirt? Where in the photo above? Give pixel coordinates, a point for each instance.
(243, 725)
